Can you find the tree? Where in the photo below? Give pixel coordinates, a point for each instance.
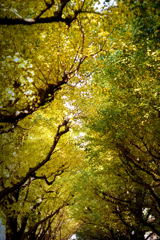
(37, 63)
(35, 207)
(123, 120)
(52, 58)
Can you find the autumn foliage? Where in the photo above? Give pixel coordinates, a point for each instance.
(80, 119)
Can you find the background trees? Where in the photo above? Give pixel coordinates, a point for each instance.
(123, 136)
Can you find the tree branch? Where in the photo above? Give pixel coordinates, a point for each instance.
(57, 16)
(43, 94)
(40, 222)
(59, 172)
(31, 171)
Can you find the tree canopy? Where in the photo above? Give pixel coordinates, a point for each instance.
(80, 119)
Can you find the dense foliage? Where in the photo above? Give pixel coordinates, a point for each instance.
(123, 134)
(80, 119)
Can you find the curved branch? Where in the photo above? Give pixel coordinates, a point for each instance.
(43, 94)
(57, 16)
(40, 222)
(59, 172)
(31, 171)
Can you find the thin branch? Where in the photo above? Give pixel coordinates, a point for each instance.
(48, 6)
(59, 172)
(40, 222)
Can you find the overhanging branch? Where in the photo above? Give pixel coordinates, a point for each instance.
(57, 16)
(59, 172)
(31, 171)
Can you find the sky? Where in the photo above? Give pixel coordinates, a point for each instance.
(109, 4)
(2, 231)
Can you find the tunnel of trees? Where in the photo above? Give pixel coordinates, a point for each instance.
(80, 119)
